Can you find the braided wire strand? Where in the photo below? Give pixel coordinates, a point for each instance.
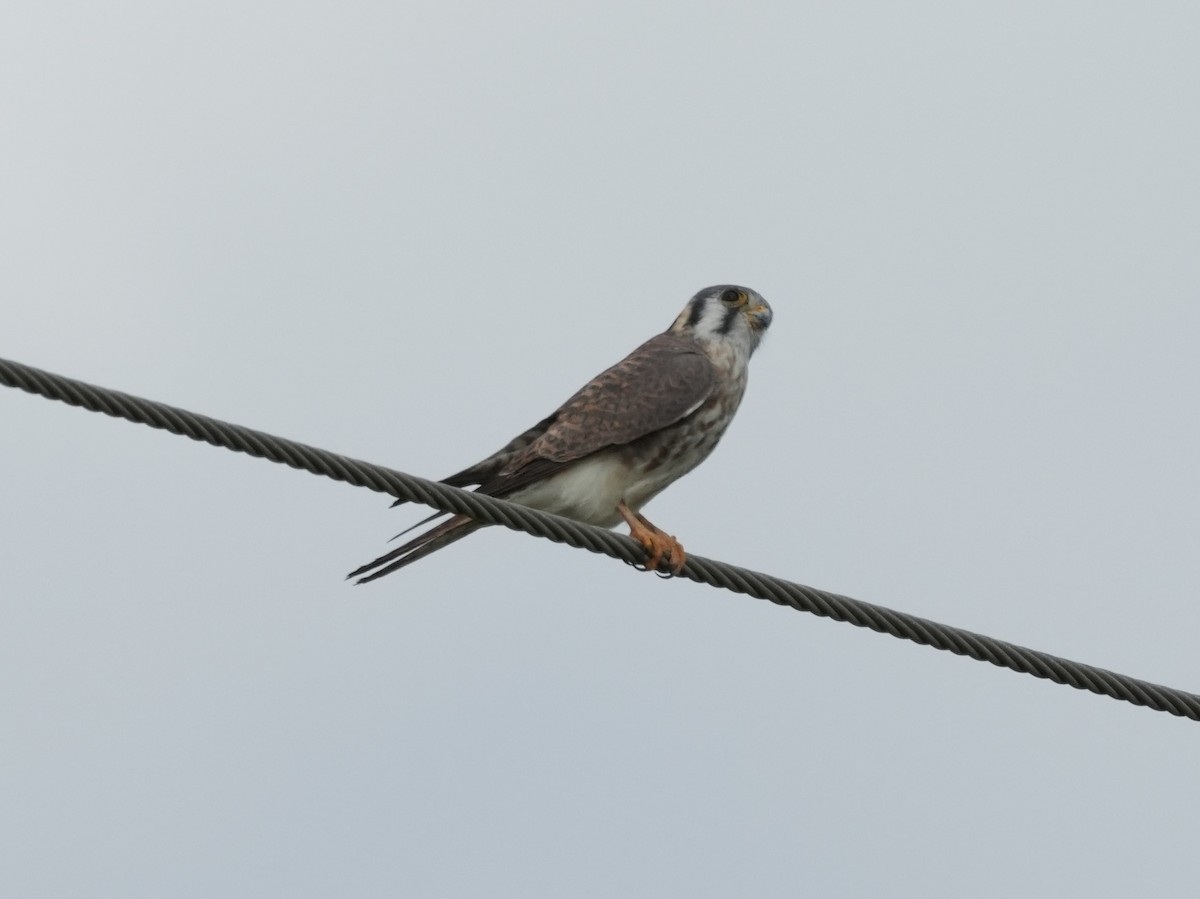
(582, 536)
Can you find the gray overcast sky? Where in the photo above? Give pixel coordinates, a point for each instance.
(406, 232)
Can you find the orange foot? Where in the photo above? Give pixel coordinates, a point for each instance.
(661, 547)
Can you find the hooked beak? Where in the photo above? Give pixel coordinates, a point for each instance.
(758, 317)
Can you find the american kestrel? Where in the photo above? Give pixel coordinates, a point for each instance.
(621, 440)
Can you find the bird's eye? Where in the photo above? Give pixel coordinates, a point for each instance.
(731, 296)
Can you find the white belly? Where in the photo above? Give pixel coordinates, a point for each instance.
(591, 489)
(587, 491)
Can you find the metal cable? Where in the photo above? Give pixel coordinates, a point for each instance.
(573, 533)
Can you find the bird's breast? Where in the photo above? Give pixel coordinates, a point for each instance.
(590, 489)
(661, 458)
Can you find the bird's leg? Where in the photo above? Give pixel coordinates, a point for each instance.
(661, 547)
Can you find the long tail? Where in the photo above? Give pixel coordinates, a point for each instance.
(420, 546)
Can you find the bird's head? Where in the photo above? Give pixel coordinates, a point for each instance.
(723, 313)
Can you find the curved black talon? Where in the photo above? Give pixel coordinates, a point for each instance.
(641, 566)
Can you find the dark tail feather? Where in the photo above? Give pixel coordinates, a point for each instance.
(413, 527)
(420, 546)
(468, 477)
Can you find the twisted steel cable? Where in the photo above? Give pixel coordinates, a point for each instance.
(563, 530)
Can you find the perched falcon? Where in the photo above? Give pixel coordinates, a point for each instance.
(621, 440)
